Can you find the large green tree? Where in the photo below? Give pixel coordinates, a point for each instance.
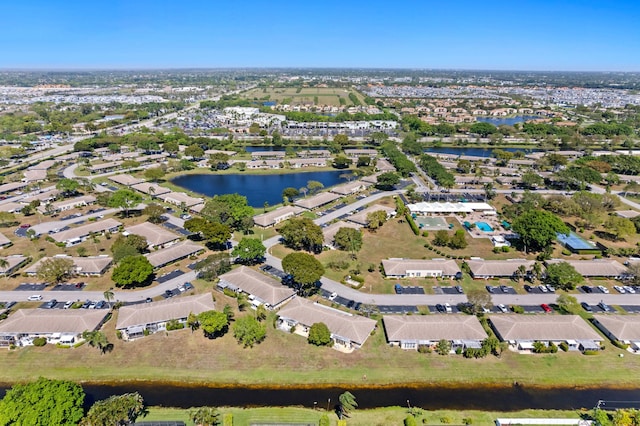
(387, 180)
(538, 229)
(305, 269)
(348, 239)
(68, 187)
(132, 271)
(154, 213)
(55, 269)
(248, 331)
(231, 210)
(216, 233)
(115, 410)
(42, 403)
(205, 416)
(347, 403)
(319, 334)
(124, 199)
(619, 227)
(562, 276)
(300, 233)
(249, 250)
(213, 323)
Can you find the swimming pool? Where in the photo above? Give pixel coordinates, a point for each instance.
(484, 227)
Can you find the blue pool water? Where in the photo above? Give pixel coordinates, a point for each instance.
(484, 227)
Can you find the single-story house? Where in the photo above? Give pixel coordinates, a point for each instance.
(14, 262)
(261, 289)
(348, 331)
(68, 204)
(361, 217)
(106, 167)
(4, 241)
(34, 175)
(64, 326)
(173, 253)
(355, 153)
(93, 266)
(481, 268)
(422, 268)
(125, 180)
(155, 235)
(624, 328)
(298, 163)
(383, 165)
(317, 200)
(314, 153)
(76, 235)
(12, 186)
(330, 231)
(521, 331)
(11, 207)
(268, 155)
(411, 331)
(276, 216)
(607, 268)
(150, 188)
(263, 164)
(627, 214)
(177, 198)
(133, 320)
(350, 187)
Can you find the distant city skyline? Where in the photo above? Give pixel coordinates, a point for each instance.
(526, 35)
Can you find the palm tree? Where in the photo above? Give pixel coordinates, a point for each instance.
(108, 296)
(4, 265)
(304, 190)
(347, 403)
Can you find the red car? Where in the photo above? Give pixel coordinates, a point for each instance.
(545, 307)
(25, 226)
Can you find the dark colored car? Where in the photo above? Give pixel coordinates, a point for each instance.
(459, 289)
(441, 308)
(586, 307)
(398, 288)
(490, 289)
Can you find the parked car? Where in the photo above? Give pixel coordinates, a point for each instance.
(148, 300)
(333, 295)
(604, 307)
(587, 289)
(543, 288)
(169, 293)
(527, 287)
(188, 286)
(619, 289)
(68, 304)
(447, 308)
(9, 305)
(551, 289)
(629, 289)
(101, 304)
(93, 305)
(34, 297)
(490, 289)
(545, 308)
(603, 289)
(86, 304)
(398, 288)
(502, 308)
(504, 288)
(459, 289)
(586, 307)
(440, 308)
(25, 226)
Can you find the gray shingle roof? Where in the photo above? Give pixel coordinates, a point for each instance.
(154, 234)
(261, 286)
(433, 327)
(177, 251)
(623, 327)
(497, 268)
(595, 267)
(52, 321)
(165, 310)
(543, 327)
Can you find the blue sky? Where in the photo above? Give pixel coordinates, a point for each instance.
(515, 35)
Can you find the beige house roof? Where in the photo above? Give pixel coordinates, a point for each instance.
(627, 214)
(84, 230)
(105, 166)
(71, 203)
(355, 328)
(34, 175)
(384, 165)
(595, 267)
(399, 267)
(125, 179)
(146, 188)
(154, 234)
(361, 217)
(360, 152)
(433, 327)
(165, 310)
(350, 187)
(4, 240)
(172, 253)
(625, 328)
(83, 265)
(12, 261)
(277, 215)
(497, 268)
(261, 286)
(43, 165)
(542, 327)
(12, 186)
(317, 200)
(43, 321)
(180, 197)
(330, 231)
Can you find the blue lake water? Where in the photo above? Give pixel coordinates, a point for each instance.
(509, 121)
(476, 152)
(257, 188)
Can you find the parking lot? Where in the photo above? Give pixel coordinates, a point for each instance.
(409, 289)
(31, 287)
(448, 290)
(68, 287)
(275, 272)
(174, 228)
(503, 289)
(169, 276)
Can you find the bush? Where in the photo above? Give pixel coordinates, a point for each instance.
(119, 334)
(566, 252)
(496, 250)
(517, 309)
(425, 233)
(229, 293)
(412, 223)
(590, 352)
(324, 421)
(445, 420)
(506, 249)
(39, 341)
(564, 346)
(424, 349)
(619, 344)
(467, 421)
(227, 420)
(410, 421)
(174, 325)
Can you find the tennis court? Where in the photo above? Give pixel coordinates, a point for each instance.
(431, 223)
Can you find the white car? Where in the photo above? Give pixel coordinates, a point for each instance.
(619, 289)
(333, 295)
(603, 289)
(502, 308)
(447, 307)
(34, 297)
(543, 288)
(629, 289)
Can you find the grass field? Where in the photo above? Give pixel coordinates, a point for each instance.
(306, 95)
(389, 416)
